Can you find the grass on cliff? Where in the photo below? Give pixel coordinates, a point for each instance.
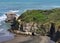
(41, 16)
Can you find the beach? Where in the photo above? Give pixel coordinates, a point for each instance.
(23, 39)
(29, 39)
(18, 39)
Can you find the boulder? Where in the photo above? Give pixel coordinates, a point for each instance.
(10, 16)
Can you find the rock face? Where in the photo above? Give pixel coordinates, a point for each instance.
(21, 26)
(30, 27)
(10, 16)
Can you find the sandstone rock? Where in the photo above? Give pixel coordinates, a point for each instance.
(10, 16)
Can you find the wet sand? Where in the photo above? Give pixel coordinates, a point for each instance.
(29, 39)
(18, 39)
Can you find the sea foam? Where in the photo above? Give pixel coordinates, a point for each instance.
(4, 34)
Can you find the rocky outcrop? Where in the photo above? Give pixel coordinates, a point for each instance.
(30, 27)
(10, 16)
(20, 25)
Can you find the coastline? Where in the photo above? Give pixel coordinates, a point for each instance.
(30, 39)
(21, 24)
(18, 39)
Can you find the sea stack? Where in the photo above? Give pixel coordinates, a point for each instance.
(10, 16)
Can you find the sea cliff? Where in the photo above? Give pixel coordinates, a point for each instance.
(37, 22)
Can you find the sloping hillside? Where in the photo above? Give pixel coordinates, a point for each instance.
(41, 15)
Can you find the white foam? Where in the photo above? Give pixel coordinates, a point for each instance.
(3, 17)
(1, 30)
(15, 11)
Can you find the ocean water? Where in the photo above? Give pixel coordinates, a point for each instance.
(19, 6)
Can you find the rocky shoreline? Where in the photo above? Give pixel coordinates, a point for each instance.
(18, 26)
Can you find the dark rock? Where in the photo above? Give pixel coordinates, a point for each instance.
(52, 30)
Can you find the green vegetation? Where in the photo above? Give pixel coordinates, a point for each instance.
(41, 16)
